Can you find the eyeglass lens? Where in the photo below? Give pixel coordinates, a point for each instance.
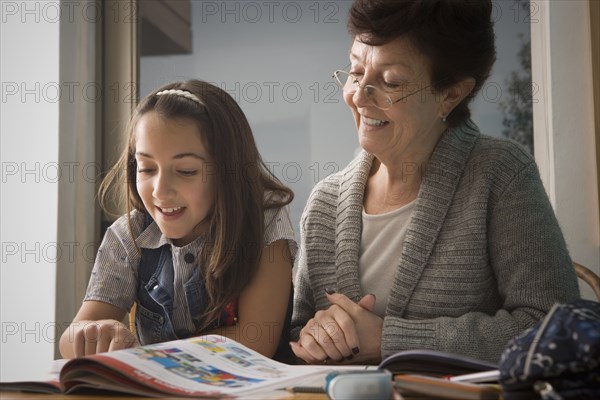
(350, 84)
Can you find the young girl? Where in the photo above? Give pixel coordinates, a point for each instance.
(207, 244)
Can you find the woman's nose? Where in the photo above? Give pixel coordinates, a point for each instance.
(360, 98)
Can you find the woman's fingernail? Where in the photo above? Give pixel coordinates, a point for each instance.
(368, 294)
(355, 350)
(329, 290)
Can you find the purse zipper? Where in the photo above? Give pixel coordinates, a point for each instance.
(536, 340)
(546, 391)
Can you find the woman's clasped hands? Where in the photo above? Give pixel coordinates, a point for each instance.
(346, 332)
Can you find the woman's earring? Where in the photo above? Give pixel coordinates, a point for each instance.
(444, 117)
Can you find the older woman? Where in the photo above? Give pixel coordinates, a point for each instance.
(435, 236)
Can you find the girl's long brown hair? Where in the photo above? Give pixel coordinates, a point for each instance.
(244, 187)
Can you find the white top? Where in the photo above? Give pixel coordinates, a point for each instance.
(380, 249)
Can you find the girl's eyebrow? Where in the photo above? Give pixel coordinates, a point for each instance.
(176, 156)
(183, 155)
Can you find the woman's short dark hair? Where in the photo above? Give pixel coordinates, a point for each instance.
(457, 37)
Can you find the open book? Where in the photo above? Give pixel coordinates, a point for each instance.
(434, 363)
(206, 366)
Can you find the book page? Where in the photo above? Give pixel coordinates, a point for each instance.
(47, 382)
(207, 365)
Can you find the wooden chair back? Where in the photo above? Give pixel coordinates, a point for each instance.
(589, 277)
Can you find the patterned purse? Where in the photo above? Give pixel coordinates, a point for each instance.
(559, 358)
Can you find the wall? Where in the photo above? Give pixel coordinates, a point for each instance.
(30, 173)
(564, 124)
(79, 152)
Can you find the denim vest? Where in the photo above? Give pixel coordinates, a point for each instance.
(155, 297)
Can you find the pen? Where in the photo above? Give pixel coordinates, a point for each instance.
(477, 377)
(305, 389)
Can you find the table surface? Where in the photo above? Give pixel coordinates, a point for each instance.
(35, 396)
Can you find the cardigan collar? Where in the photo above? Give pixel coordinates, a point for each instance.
(441, 178)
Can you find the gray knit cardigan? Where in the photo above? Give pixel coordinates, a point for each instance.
(483, 258)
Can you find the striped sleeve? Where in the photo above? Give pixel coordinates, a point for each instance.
(278, 226)
(114, 276)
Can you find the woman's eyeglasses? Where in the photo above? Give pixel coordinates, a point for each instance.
(378, 97)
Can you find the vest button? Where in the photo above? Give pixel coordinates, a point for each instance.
(189, 258)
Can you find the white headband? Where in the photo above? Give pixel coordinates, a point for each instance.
(182, 93)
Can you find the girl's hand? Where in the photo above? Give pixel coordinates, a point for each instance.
(96, 329)
(345, 332)
(93, 337)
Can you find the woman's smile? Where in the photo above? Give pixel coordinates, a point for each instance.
(372, 122)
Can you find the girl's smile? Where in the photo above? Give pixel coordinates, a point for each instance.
(174, 212)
